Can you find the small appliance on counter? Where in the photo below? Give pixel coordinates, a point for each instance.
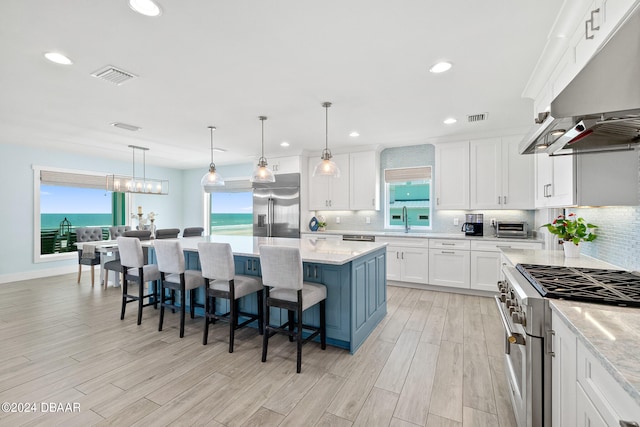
(473, 225)
(517, 230)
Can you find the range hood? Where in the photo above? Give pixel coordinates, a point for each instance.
(600, 108)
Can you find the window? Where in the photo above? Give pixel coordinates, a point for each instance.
(231, 209)
(408, 198)
(64, 200)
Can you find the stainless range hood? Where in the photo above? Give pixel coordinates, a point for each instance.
(600, 108)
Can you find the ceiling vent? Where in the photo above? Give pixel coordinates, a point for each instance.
(477, 117)
(132, 128)
(113, 75)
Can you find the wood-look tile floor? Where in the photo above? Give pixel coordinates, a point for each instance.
(435, 360)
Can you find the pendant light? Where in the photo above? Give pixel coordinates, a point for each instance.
(262, 173)
(326, 167)
(211, 179)
(135, 183)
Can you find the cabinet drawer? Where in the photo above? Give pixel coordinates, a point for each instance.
(463, 245)
(406, 242)
(602, 389)
(496, 246)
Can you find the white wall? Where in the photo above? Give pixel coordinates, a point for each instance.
(17, 215)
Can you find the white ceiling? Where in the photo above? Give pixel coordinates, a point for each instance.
(224, 63)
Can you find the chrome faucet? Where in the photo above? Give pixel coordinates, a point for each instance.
(405, 218)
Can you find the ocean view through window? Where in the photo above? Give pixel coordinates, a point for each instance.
(232, 213)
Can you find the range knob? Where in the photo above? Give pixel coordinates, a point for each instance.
(503, 297)
(502, 286)
(518, 317)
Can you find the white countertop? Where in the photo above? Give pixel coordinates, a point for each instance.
(612, 335)
(546, 257)
(417, 234)
(320, 251)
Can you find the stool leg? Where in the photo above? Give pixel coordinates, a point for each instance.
(93, 275)
(260, 313)
(265, 336)
(161, 304)
(124, 299)
(192, 303)
(299, 339)
(140, 299)
(182, 310)
(106, 278)
(79, 272)
(291, 320)
(323, 325)
(207, 312)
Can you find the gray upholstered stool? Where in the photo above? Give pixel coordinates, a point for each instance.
(284, 288)
(88, 255)
(135, 270)
(221, 281)
(192, 232)
(173, 275)
(114, 265)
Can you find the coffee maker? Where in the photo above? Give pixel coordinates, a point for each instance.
(473, 225)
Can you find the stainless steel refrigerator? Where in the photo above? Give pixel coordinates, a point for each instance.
(276, 207)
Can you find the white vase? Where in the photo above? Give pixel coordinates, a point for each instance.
(571, 250)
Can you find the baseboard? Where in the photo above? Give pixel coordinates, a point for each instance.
(38, 274)
(437, 288)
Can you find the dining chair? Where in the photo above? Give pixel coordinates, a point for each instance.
(117, 231)
(135, 270)
(284, 288)
(192, 232)
(167, 233)
(174, 276)
(218, 270)
(88, 254)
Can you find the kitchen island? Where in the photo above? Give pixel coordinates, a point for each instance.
(353, 272)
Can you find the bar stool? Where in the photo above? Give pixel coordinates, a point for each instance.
(282, 271)
(173, 276)
(218, 270)
(135, 270)
(115, 265)
(167, 233)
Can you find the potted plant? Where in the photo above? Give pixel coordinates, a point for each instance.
(571, 230)
(322, 223)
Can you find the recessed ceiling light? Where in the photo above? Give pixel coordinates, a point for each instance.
(145, 7)
(354, 134)
(441, 67)
(284, 144)
(58, 58)
(450, 121)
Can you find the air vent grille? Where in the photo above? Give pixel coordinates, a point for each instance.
(132, 128)
(113, 75)
(477, 117)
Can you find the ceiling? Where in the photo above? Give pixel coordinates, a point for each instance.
(225, 63)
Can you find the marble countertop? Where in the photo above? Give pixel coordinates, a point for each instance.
(612, 335)
(321, 251)
(418, 234)
(548, 257)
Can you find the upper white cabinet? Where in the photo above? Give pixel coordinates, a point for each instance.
(364, 173)
(452, 175)
(500, 178)
(281, 165)
(329, 193)
(596, 179)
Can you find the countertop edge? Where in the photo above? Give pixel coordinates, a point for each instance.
(633, 392)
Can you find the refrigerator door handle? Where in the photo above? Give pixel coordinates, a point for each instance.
(270, 214)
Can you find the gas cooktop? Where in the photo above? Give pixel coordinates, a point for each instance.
(614, 287)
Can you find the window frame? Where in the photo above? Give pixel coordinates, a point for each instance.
(387, 207)
(38, 257)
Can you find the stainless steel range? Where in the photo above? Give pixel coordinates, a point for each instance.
(526, 318)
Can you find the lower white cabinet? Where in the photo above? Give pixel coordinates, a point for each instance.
(449, 263)
(407, 260)
(584, 391)
(486, 262)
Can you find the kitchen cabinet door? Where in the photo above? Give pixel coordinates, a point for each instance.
(485, 270)
(555, 181)
(452, 175)
(394, 263)
(415, 265)
(485, 185)
(449, 268)
(364, 170)
(517, 176)
(563, 374)
(329, 193)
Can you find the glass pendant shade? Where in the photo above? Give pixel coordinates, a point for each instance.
(326, 167)
(211, 179)
(262, 173)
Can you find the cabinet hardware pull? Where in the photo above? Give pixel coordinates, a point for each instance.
(448, 252)
(437, 200)
(448, 244)
(329, 202)
(315, 271)
(498, 199)
(255, 265)
(308, 272)
(624, 423)
(586, 30)
(402, 255)
(397, 255)
(504, 200)
(326, 203)
(249, 265)
(503, 246)
(593, 12)
(550, 338)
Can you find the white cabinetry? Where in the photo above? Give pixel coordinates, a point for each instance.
(289, 164)
(449, 263)
(364, 172)
(500, 177)
(452, 175)
(329, 193)
(407, 259)
(486, 262)
(584, 391)
(597, 179)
